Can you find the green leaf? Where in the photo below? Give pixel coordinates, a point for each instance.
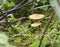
(11, 46)
(38, 0)
(46, 41)
(35, 43)
(3, 39)
(43, 1)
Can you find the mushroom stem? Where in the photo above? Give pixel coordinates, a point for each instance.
(36, 20)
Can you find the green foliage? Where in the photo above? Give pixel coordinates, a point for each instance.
(43, 1)
(19, 31)
(8, 5)
(11, 17)
(3, 38)
(46, 42)
(4, 41)
(35, 43)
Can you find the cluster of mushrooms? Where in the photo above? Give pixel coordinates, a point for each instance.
(36, 17)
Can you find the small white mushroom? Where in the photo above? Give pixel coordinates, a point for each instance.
(35, 24)
(36, 16)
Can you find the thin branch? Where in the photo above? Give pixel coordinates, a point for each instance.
(12, 10)
(40, 7)
(13, 22)
(18, 34)
(44, 31)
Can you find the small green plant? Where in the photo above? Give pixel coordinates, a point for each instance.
(4, 41)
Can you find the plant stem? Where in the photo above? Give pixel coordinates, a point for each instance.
(44, 31)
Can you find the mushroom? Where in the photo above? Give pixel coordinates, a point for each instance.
(36, 16)
(35, 24)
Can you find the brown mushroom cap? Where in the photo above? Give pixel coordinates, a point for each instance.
(36, 16)
(36, 24)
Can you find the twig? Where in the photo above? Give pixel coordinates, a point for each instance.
(18, 34)
(12, 22)
(18, 19)
(49, 36)
(44, 31)
(13, 8)
(3, 15)
(40, 7)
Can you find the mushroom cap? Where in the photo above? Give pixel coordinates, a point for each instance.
(36, 16)
(35, 24)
